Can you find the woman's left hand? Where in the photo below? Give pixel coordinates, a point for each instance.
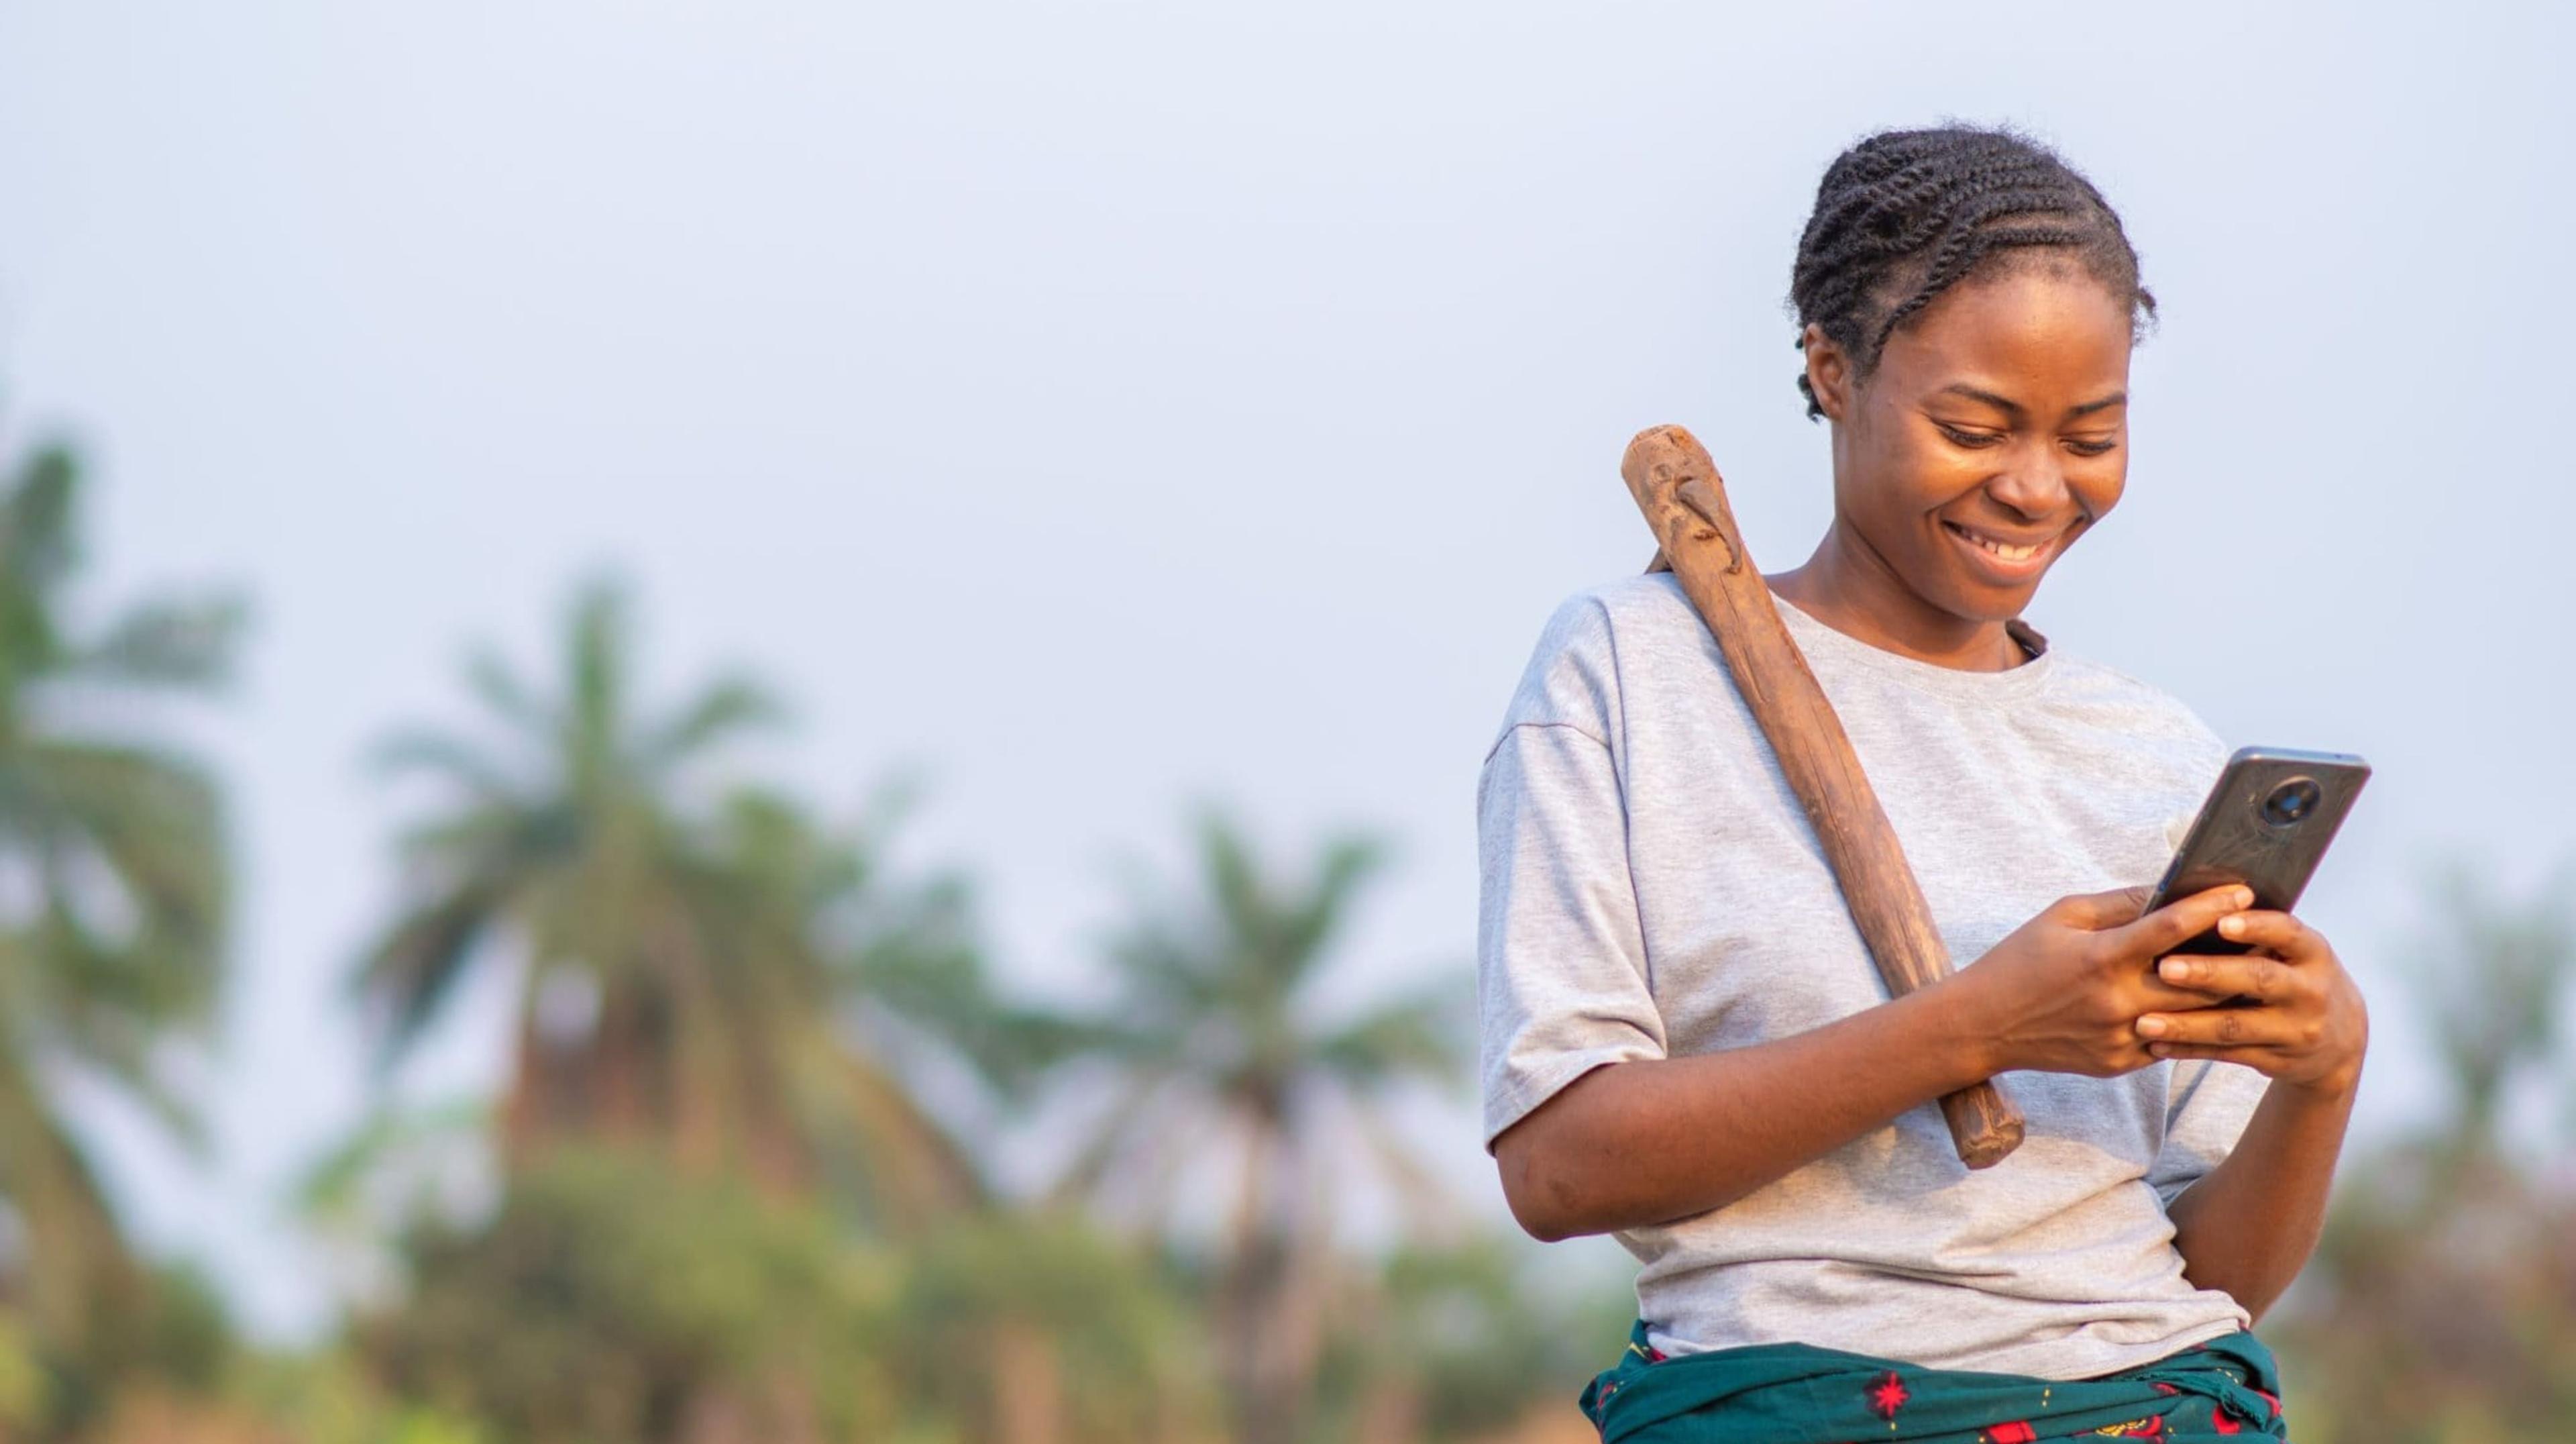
(2306, 1024)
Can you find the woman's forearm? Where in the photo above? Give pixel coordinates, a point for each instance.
(1631, 1144)
(2248, 1225)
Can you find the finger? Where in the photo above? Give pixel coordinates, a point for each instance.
(2178, 922)
(2218, 975)
(2277, 932)
(2262, 1059)
(2095, 911)
(2155, 995)
(2221, 1027)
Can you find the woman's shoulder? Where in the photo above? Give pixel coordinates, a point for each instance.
(2083, 687)
(1594, 639)
(1620, 608)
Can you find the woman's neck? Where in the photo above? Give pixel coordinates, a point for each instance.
(1849, 587)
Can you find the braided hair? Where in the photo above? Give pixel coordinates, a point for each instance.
(1906, 214)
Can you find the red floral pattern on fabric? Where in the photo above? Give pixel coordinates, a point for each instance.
(1888, 1395)
(2016, 1432)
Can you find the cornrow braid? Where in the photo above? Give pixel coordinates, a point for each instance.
(1906, 214)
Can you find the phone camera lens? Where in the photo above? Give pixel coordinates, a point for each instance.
(2292, 801)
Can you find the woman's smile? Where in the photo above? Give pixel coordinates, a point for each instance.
(2006, 559)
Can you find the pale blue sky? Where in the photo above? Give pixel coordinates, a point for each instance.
(1105, 405)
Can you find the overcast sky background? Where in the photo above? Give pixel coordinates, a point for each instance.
(1103, 406)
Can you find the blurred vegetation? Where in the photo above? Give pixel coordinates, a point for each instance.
(741, 1184)
(2440, 1307)
(114, 891)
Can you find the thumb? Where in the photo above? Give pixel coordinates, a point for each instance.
(2095, 911)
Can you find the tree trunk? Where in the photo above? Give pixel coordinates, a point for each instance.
(1028, 1386)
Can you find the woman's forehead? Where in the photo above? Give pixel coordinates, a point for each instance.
(2050, 329)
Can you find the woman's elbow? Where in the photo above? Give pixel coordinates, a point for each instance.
(1544, 1199)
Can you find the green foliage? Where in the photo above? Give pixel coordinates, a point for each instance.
(608, 1301)
(1488, 1343)
(715, 945)
(1029, 1311)
(1459, 1341)
(111, 944)
(1225, 1061)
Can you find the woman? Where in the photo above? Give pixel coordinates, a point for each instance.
(1684, 1040)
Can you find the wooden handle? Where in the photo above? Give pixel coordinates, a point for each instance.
(1677, 487)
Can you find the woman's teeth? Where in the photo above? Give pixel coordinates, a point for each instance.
(2005, 550)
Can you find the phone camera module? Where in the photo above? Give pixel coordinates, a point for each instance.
(2292, 802)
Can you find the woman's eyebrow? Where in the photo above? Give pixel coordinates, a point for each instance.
(2011, 407)
(2002, 404)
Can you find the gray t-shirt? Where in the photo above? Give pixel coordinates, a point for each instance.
(1651, 888)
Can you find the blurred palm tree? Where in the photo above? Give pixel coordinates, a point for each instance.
(694, 955)
(114, 881)
(1231, 1075)
(2441, 1303)
(2490, 976)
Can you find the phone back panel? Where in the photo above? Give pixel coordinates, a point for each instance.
(2266, 824)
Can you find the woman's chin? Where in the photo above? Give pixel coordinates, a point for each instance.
(1981, 600)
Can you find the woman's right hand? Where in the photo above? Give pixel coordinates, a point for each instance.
(2064, 993)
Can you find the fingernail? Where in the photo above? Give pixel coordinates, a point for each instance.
(2245, 897)
(2160, 1050)
(2152, 1027)
(2174, 969)
(2231, 927)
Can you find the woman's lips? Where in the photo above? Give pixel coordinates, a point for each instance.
(2005, 559)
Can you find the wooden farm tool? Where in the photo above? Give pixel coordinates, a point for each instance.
(1677, 487)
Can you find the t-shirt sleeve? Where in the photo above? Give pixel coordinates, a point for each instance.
(1560, 955)
(2208, 1105)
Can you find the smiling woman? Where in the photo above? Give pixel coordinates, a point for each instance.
(1685, 1042)
(1991, 434)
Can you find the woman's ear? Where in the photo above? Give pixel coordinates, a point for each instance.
(1829, 372)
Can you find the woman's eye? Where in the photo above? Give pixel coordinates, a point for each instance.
(2089, 448)
(1961, 437)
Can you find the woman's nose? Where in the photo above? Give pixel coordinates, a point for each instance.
(2034, 484)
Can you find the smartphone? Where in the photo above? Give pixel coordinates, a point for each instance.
(2266, 825)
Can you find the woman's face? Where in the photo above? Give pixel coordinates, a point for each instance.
(1992, 434)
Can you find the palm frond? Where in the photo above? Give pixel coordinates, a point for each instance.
(1164, 971)
(916, 1170)
(179, 644)
(494, 683)
(155, 825)
(1128, 1117)
(1243, 907)
(945, 997)
(410, 973)
(332, 1189)
(1309, 926)
(444, 755)
(1422, 1037)
(109, 1010)
(39, 527)
(730, 707)
(595, 674)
